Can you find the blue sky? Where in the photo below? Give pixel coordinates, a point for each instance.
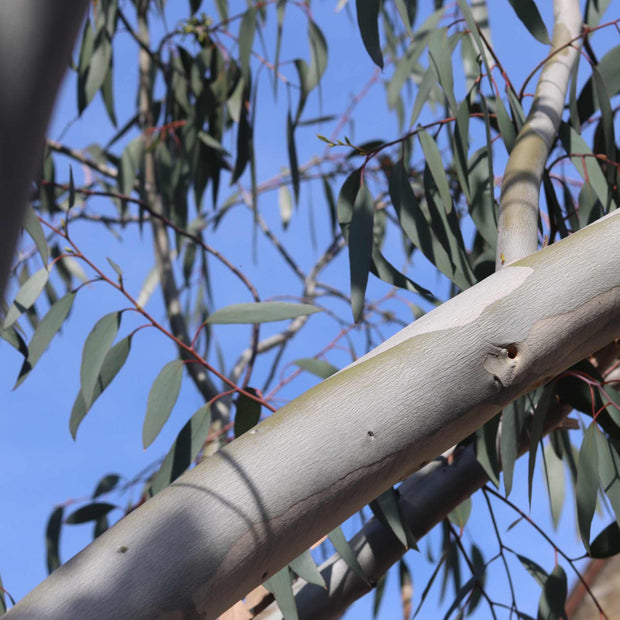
(44, 467)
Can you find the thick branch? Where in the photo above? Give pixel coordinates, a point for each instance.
(238, 517)
(36, 39)
(518, 211)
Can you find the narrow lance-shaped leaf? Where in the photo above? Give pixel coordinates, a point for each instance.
(33, 227)
(114, 360)
(52, 539)
(536, 434)
(306, 568)
(528, 13)
(43, 334)
(248, 411)
(184, 450)
(247, 29)
(553, 596)
(97, 344)
(587, 483)
(281, 587)
(320, 368)
(260, 312)
(360, 248)
(26, 296)
(345, 551)
(162, 398)
(90, 512)
(318, 55)
(292, 155)
(368, 22)
(607, 543)
(436, 166)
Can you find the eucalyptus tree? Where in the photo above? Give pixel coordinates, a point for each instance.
(523, 337)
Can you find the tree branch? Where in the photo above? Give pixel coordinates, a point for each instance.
(518, 211)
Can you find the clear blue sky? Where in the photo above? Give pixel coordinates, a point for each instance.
(44, 467)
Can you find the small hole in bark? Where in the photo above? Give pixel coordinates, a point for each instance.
(512, 351)
(264, 576)
(371, 434)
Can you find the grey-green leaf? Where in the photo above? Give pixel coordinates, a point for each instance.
(306, 568)
(33, 227)
(587, 483)
(114, 360)
(320, 368)
(346, 552)
(607, 543)
(248, 412)
(52, 539)
(162, 397)
(280, 586)
(528, 13)
(90, 512)
(360, 248)
(368, 22)
(97, 345)
(26, 296)
(43, 334)
(260, 312)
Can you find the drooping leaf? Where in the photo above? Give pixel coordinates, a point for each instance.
(432, 157)
(162, 398)
(247, 29)
(486, 449)
(106, 484)
(368, 22)
(379, 591)
(281, 588)
(96, 346)
(360, 248)
(318, 56)
(439, 51)
(536, 434)
(90, 512)
(292, 155)
(184, 450)
(556, 484)
(386, 509)
(527, 12)
(607, 543)
(345, 551)
(248, 412)
(305, 567)
(285, 202)
(43, 334)
(534, 569)
(460, 515)
(33, 227)
(114, 360)
(587, 483)
(553, 596)
(320, 368)
(260, 312)
(608, 466)
(26, 296)
(52, 539)
(513, 417)
(587, 103)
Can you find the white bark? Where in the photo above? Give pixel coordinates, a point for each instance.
(230, 523)
(518, 211)
(36, 39)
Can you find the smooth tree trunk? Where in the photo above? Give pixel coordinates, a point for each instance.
(243, 513)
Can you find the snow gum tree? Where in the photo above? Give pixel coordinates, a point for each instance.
(515, 294)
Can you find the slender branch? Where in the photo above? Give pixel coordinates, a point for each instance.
(518, 211)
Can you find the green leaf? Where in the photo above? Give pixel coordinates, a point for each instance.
(52, 539)
(320, 368)
(536, 432)
(43, 334)
(305, 567)
(556, 484)
(553, 596)
(486, 449)
(131, 160)
(318, 56)
(33, 227)
(106, 484)
(386, 509)
(292, 155)
(513, 417)
(184, 450)
(534, 569)
(90, 512)
(527, 12)
(117, 269)
(588, 103)
(98, 65)
(460, 515)
(607, 543)
(608, 467)
(368, 22)
(587, 483)
(285, 203)
(248, 412)
(424, 90)
(260, 312)
(162, 397)
(432, 157)
(360, 248)
(439, 50)
(97, 345)
(473, 28)
(383, 269)
(247, 29)
(71, 189)
(346, 552)
(281, 588)
(26, 296)
(13, 337)
(112, 363)
(407, 14)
